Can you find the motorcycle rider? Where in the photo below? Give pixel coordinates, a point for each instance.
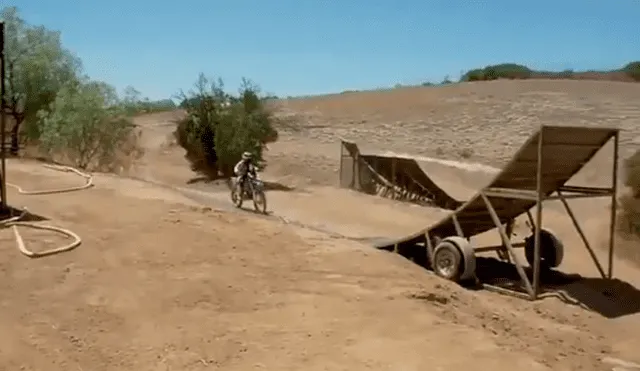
(243, 168)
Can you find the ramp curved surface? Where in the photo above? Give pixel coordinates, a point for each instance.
(402, 173)
(409, 168)
(565, 151)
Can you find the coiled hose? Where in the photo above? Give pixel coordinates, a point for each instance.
(16, 222)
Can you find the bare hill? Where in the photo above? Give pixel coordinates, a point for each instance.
(170, 276)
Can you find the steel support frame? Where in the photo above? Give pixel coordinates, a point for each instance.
(572, 192)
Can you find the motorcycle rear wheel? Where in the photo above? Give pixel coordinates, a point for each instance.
(236, 196)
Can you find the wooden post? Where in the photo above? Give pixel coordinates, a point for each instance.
(614, 203)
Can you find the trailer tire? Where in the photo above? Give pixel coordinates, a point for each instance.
(454, 259)
(551, 250)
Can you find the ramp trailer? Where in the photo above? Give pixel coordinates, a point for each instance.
(538, 172)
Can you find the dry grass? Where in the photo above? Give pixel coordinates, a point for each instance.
(491, 118)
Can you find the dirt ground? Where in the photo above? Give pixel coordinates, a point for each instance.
(171, 277)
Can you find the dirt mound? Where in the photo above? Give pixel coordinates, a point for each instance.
(202, 292)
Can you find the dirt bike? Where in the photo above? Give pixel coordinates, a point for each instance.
(253, 190)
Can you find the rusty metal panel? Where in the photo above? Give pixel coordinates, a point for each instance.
(349, 152)
(346, 172)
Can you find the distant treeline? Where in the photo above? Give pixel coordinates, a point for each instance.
(629, 72)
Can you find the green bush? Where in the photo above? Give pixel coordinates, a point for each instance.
(516, 71)
(498, 71)
(566, 74)
(86, 125)
(135, 104)
(629, 215)
(633, 70)
(474, 75)
(219, 127)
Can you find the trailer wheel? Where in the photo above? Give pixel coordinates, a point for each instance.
(551, 249)
(454, 259)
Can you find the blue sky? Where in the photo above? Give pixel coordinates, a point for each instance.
(301, 47)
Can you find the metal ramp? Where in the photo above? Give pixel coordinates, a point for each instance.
(539, 171)
(398, 178)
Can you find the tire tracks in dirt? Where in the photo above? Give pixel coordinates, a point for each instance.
(218, 200)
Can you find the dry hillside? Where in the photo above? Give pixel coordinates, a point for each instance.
(170, 277)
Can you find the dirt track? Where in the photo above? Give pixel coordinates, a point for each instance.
(164, 283)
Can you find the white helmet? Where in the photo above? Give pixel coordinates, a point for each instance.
(247, 156)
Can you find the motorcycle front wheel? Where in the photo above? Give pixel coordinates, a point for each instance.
(260, 202)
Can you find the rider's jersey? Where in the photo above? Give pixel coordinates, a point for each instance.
(243, 167)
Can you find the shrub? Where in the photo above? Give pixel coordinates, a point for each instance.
(566, 74)
(474, 75)
(498, 71)
(86, 125)
(220, 126)
(134, 104)
(633, 70)
(629, 215)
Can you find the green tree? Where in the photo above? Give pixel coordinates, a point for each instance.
(446, 81)
(158, 105)
(37, 66)
(132, 100)
(633, 70)
(134, 103)
(220, 126)
(498, 71)
(86, 123)
(473, 75)
(629, 214)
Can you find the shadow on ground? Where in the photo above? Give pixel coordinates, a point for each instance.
(11, 212)
(269, 186)
(205, 180)
(610, 298)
